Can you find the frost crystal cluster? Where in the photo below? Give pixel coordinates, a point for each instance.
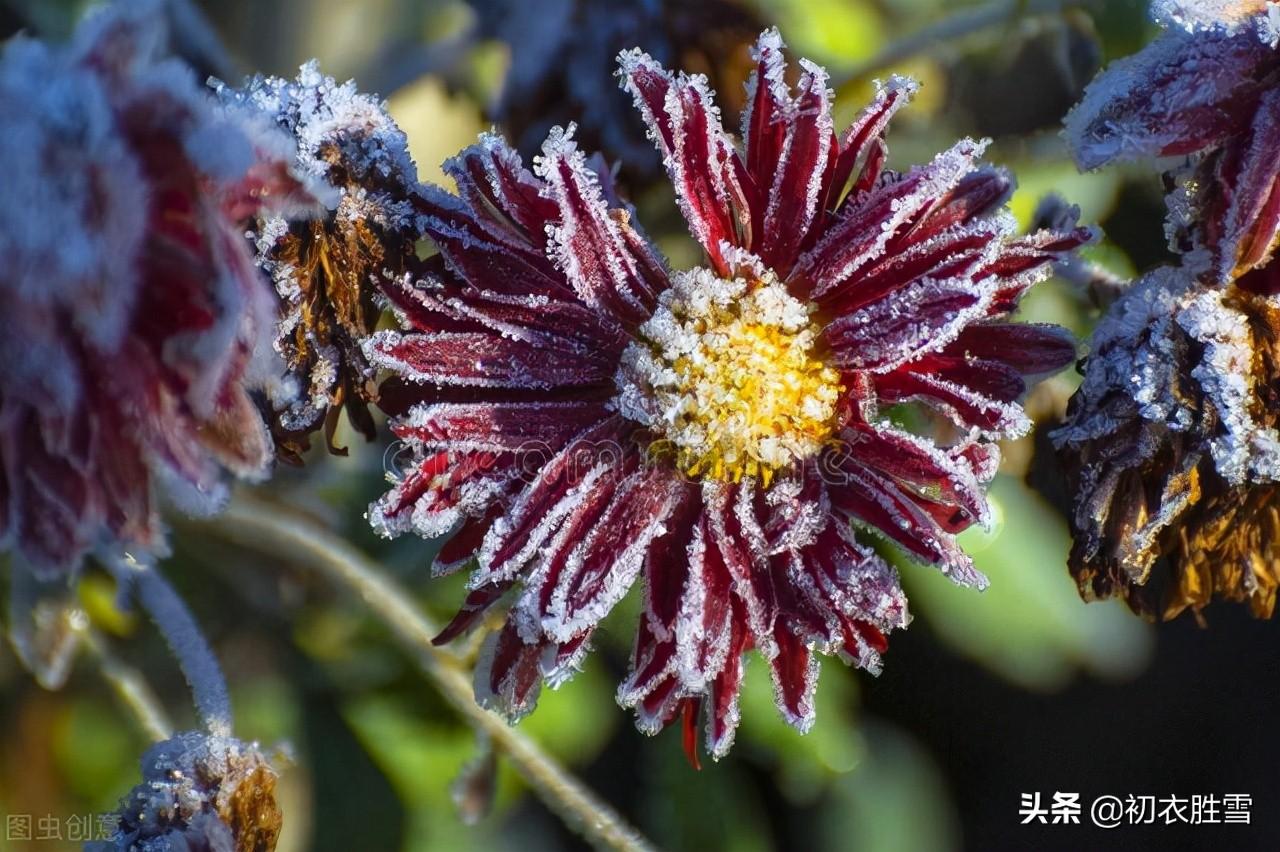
(583, 419)
(132, 309)
(1170, 445)
(326, 269)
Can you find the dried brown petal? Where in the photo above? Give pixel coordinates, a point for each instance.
(326, 271)
(1170, 448)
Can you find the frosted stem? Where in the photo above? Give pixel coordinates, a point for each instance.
(195, 657)
(273, 531)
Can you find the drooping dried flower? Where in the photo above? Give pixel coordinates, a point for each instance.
(325, 269)
(1170, 444)
(581, 417)
(1206, 87)
(130, 305)
(199, 792)
(563, 51)
(1172, 450)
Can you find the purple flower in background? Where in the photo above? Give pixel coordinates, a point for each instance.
(130, 302)
(582, 418)
(1206, 89)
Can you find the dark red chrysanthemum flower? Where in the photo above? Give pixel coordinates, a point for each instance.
(130, 303)
(583, 417)
(1207, 87)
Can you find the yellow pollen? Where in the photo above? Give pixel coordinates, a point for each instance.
(727, 375)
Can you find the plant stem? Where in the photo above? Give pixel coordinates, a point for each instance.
(195, 657)
(274, 531)
(131, 688)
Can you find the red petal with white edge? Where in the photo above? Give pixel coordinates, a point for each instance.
(992, 379)
(589, 244)
(586, 507)
(534, 428)
(1032, 350)
(876, 500)
(861, 141)
(797, 190)
(915, 460)
(907, 323)
(1029, 260)
(953, 252)
(979, 193)
(494, 182)
(485, 256)
(602, 568)
(860, 234)
(507, 677)
(461, 547)
(666, 568)
(556, 488)
(703, 625)
(653, 664)
(538, 320)
(767, 117)
(740, 541)
(477, 603)
(698, 154)
(722, 695)
(963, 405)
(1180, 94)
(1251, 224)
(795, 677)
(477, 359)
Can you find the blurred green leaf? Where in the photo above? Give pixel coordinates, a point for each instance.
(1030, 625)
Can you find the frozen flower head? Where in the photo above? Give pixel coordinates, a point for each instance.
(1206, 90)
(129, 302)
(325, 268)
(1172, 450)
(199, 792)
(584, 419)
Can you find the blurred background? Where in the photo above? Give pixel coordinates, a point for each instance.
(1020, 689)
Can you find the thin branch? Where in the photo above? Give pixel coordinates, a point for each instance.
(274, 531)
(131, 688)
(963, 23)
(190, 648)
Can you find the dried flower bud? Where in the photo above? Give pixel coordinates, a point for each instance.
(200, 793)
(325, 269)
(1171, 447)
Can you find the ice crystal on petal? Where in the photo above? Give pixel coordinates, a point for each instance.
(581, 419)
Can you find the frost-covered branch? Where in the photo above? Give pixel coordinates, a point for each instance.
(190, 648)
(264, 528)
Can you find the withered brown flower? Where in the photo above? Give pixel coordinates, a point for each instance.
(1172, 450)
(199, 792)
(325, 270)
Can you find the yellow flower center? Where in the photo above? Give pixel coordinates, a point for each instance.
(725, 372)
